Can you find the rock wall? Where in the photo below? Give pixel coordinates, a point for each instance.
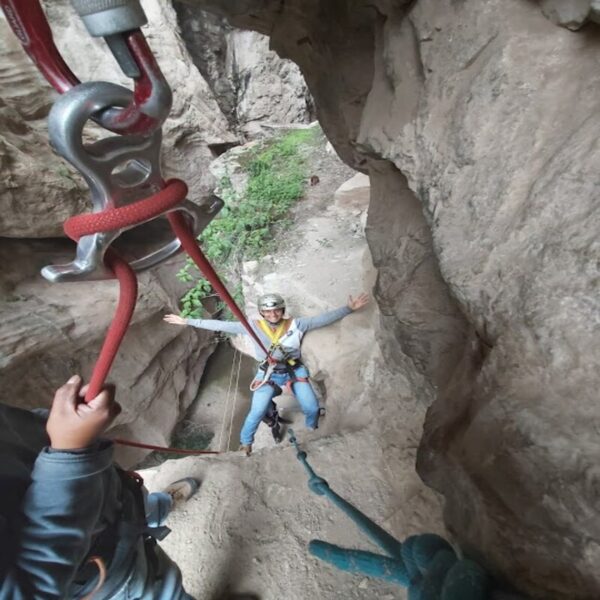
(489, 112)
(419, 318)
(486, 115)
(29, 168)
(255, 88)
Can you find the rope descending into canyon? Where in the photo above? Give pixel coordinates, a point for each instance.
(230, 401)
(235, 395)
(426, 564)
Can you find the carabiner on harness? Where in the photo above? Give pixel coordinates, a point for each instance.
(119, 170)
(258, 383)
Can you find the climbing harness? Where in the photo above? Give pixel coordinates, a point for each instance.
(274, 335)
(270, 364)
(426, 564)
(123, 171)
(278, 360)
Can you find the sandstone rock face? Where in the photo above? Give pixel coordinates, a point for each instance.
(29, 168)
(50, 331)
(253, 86)
(519, 266)
(419, 318)
(271, 91)
(336, 66)
(490, 113)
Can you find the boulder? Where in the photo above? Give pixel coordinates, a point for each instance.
(571, 14)
(354, 193)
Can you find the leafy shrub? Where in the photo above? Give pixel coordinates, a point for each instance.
(244, 228)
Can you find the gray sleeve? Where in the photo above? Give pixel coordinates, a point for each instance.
(233, 327)
(60, 511)
(322, 320)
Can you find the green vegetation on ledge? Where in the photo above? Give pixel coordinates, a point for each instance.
(244, 228)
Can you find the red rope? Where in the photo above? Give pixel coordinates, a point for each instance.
(128, 289)
(118, 218)
(168, 198)
(162, 448)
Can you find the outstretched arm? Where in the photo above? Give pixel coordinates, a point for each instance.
(233, 327)
(62, 504)
(324, 319)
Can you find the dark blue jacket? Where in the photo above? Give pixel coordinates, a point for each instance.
(57, 509)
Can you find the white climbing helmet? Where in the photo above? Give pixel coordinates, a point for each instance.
(271, 302)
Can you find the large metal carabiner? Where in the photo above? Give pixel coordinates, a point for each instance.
(119, 22)
(119, 170)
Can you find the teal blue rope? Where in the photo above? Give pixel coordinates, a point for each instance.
(425, 564)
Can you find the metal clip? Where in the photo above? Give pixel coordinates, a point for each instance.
(119, 170)
(119, 22)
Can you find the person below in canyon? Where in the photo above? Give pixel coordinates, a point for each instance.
(283, 338)
(72, 523)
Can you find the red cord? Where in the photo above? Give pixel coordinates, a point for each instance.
(162, 448)
(118, 328)
(168, 198)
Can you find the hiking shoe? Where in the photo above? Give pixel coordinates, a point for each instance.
(246, 449)
(182, 490)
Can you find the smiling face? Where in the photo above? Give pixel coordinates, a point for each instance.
(272, 315)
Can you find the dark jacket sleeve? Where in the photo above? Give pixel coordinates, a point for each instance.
(60, 510)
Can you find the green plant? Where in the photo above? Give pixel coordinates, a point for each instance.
(244, 228)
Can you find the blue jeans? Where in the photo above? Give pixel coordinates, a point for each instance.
(158, 578)
(263, 396)
(158, 506)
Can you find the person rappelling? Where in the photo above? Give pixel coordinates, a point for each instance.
(282, 364)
